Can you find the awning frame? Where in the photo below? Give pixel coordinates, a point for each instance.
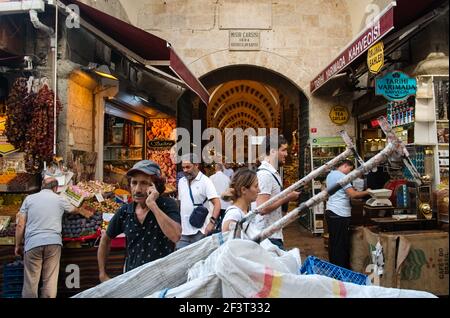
(149, 65)
(426, 13)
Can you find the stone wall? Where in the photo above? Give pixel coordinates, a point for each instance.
(76, 121)
(298, 38)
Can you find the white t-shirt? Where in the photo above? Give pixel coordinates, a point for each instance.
(229, 173)
(268, 185)
(233, 213)
(221, 183)
(202, 188)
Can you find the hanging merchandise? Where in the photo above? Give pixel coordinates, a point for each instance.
(18, 110)
(30, 125)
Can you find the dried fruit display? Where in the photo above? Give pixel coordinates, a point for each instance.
(18, 108)
(162, 157)
(29, 126)
(10, 231)
(107, 206)
(74, 226)
(94, 187)
(161, 129)
(40, 132)
(23, 182)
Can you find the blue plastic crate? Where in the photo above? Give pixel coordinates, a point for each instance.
(314, 265)
(11, 295)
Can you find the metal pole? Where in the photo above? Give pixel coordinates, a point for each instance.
(322, 196)
(302, 182)
(55, 79)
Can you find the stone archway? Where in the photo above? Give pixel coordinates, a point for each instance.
(276, 63)
(249, 96)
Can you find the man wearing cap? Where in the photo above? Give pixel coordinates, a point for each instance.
(194, 190)
(150, 223)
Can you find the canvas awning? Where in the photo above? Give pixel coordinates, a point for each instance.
(152, 52)
(398, 15)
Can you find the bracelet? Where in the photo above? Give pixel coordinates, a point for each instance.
(212, 220)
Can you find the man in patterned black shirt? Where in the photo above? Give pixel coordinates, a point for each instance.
(151, 223)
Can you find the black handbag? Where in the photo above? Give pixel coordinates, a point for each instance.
(199, 214)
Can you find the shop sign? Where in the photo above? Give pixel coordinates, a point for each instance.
(374, 33)
(245, 40)
(161, 143)
(395, 86)
(339, 115)
(327, 141)
(375, 58)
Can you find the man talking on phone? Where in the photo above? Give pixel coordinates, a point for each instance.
(150, 223)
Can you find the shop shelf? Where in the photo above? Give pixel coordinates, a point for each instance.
(314, 265)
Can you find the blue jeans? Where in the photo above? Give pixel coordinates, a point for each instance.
(186, 240)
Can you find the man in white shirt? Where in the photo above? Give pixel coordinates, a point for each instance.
(270, 184)
(228, 171)
(221, 183)
(194, 191)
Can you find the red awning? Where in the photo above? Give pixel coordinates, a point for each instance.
(146, 48)
(397, 15)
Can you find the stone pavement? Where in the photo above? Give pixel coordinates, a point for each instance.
(295, 235)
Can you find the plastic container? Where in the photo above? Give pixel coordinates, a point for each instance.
(12, 280)
(314, 265)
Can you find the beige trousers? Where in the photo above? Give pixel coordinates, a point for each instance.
(42, 260)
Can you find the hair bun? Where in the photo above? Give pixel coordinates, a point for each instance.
(229, 195)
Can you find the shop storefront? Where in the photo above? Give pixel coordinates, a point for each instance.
(116, 111)
(410, 89)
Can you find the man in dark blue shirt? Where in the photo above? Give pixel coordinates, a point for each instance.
(151, 223)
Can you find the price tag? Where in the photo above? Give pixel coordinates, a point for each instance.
(99, 197)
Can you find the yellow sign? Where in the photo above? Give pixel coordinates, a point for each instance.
(339, 115)
(375, 58)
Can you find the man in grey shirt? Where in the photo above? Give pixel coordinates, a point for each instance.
(40, 222)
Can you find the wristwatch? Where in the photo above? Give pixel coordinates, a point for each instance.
(212, 220)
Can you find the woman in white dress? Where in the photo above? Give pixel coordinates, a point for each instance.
(242, 192)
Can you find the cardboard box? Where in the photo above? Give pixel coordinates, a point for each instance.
(359, 252)
(413, 259)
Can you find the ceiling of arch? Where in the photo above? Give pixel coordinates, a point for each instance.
(244, 104)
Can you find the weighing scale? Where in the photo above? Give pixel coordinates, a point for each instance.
(380, 197)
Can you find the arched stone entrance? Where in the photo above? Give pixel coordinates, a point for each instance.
(246, 96)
